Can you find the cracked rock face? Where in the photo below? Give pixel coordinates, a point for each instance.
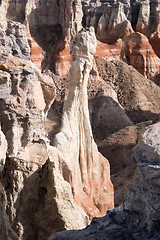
(23, 107)
(143, 193)
(120, 19)
(40, 180)
(138, 217)
(56, 182)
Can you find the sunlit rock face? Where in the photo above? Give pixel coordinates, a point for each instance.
(3, 150)
(118, 19)
(138, 216)
(56, 179)
(86, 169)
(52, 24)
(138, 52)
(39, 179)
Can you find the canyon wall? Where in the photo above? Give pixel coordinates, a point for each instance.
(118, 19)
(53, 24)
(39, 180)
(52, 174)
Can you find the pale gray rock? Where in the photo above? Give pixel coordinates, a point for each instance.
(41, 180)
(3, 150)
(23, 106)
(144, 18)
(13, 40)
(144, 192)
(62, 16)
(112, 16)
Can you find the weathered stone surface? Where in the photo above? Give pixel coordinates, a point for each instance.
(144, 191)
(40, 179)
(149, 142)
(109, 51)
(36, 54)
(113, 24)
(13, 40)
(137, 51)
(3, 150)
(22, 116)
(6, 232)
(137, 218)
(144, 18)
(136, 95)
(27, 95)
(84, 165)
(109, 115)
(117, 19)
(53, 25)
(42, 183)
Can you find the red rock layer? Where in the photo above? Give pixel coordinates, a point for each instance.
(35, 53)
(138, 52)
(62, 62)
(109, 51)
(155, 42)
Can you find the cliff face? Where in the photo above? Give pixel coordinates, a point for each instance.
(53, 24)
(52, 176)
(117, 19)
(41, 180)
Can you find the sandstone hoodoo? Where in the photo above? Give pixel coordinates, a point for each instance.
(79, 82)
(87, 170)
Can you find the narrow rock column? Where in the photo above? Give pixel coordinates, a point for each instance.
(83, 166)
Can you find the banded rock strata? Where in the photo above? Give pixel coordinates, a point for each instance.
(52, 25)
(40, 173)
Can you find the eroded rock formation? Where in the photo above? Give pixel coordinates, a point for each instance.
(45, 175)
(138, 216)
(137, 51)
(52, 25)
(118, 19)
(126, 98)
(40, 180)
(89, 170)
